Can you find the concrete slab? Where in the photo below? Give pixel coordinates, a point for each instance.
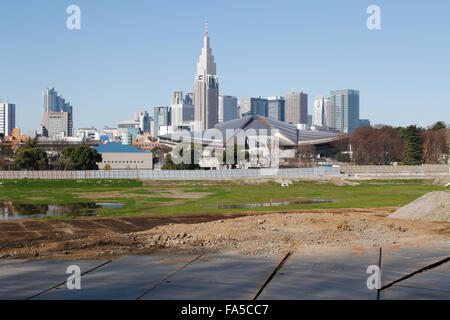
(399, 262)
(217, 277)
(324, 274)
(20, 281)
(125, 279)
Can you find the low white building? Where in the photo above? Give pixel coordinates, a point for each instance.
(123, 157)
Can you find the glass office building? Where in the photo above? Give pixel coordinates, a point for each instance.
(53, 103)
(7, 118)
(162, 118)
(344, 110)
(255, 106)
(228, 108)
(276, 108)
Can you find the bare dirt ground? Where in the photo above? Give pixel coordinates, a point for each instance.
(243, 233)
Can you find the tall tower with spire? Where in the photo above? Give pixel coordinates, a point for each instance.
(206, 90)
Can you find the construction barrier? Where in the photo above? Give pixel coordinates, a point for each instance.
(171, 175)
(421, 169)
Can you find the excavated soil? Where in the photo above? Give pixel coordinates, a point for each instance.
(244, 233)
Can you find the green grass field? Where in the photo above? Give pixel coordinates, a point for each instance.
(169, 197)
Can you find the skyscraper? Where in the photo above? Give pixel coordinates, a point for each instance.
(276, 108)
(142, 119)
(318, 116)
(52, 103)
(56, 124)
(50, 100)
(206, 91)
(162, 118)
(255, 106)
(7, 118)
(344, 110)
(228, 108)
(297, 108)
(327, 107)
(182, 109)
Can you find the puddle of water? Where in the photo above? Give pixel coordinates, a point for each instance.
(110, 205)
(18, 211)
(271, 204)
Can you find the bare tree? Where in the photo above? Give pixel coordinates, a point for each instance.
(376, 146)
(435, 147)
(306, 156)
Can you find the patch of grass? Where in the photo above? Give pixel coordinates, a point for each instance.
(134, 194)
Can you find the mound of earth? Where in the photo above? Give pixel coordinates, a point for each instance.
(442, 181)
(434, 206)
(340, 182)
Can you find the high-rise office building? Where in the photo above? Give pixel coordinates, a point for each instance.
(50, 100)
(182, 109)
(344, 110)
(228, 108)
(7, 118)
(142, 119)
(327, 107)
(56, 124)
(52, 103)
(297, 108)
(276, 108)
(318, 116)
(255, 106)
(206, 92)
(189, 98)
(162, 118)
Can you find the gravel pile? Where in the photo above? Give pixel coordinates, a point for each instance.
(434, 206)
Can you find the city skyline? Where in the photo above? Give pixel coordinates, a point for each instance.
(399, 72)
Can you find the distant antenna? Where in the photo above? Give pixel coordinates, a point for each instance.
(206, 28)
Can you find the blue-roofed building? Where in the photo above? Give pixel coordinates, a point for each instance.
(124, 157)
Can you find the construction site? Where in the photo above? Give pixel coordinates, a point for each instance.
(188, 245)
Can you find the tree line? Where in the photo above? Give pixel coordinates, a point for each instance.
(409, 146)
(34, 158)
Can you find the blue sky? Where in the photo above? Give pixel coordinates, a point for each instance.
(131, 54)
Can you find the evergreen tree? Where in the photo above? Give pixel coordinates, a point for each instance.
(31, 157)
(438, 126)
(82, 157)
(413, 151)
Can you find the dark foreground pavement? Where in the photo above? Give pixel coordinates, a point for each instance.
(421, 272)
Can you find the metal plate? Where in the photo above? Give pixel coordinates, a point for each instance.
(218, 277)
(125, 279)
(398, 263)
(324, 274)
(24, 280)
(430, 284)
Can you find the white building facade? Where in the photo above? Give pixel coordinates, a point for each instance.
(183, 110)
(206, 91)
